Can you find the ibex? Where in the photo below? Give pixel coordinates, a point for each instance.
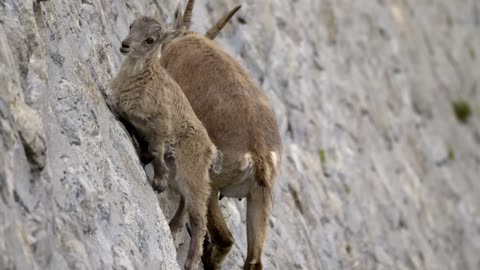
(148, 98)
(240, 122)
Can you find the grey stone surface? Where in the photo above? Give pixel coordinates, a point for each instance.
(369, 84)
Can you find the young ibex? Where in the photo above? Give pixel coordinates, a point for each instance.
(148, 98)
(240, 122)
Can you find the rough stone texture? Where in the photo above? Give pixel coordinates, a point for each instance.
(377, 172)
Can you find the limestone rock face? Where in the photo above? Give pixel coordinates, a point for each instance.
(377, 172)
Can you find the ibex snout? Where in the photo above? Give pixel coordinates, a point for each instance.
(125, 47)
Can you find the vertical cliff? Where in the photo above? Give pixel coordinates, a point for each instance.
(382, 158)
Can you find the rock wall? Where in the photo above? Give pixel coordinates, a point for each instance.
(378, 172)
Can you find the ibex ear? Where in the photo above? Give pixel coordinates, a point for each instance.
(175, 33)
(169, 35)
(178, 23)
(156, 14)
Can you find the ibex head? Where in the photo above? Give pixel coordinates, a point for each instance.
(146, 36)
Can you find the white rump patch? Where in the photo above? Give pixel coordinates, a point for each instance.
(274, 157)
(247, 162)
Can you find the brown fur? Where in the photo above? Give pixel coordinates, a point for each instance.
(153, 102)
(240, 122)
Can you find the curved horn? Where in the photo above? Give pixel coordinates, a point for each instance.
(213, 32)
(187, 15)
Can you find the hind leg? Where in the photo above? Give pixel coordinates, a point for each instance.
(197, 211)
(259, 204)
(178, 219)
(221, 239)
(199, 228)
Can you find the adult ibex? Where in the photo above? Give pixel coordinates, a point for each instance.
(240, 122)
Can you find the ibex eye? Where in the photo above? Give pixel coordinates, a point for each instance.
(149, 40)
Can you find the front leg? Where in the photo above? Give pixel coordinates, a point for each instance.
(160, 169)
(160, 132)
(170, 159)
(143, 150)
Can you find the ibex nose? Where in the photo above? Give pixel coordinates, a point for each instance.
(125, 45)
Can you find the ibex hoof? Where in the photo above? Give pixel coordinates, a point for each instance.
(146, 158)
(209, 264)
(189, 265)
(159, 184)
(256, 266)
(214, 255)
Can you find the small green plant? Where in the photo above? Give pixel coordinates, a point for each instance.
(348, 249)
(449, 21)
(462, 110)
(322, 155)
(347, 188)
(451, 154)
(472, 52)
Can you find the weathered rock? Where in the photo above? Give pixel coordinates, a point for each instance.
(87, 203)
(377, 172)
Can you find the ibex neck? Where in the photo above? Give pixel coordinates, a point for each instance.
(135, 66)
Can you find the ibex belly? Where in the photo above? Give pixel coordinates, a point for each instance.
(238, 190)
